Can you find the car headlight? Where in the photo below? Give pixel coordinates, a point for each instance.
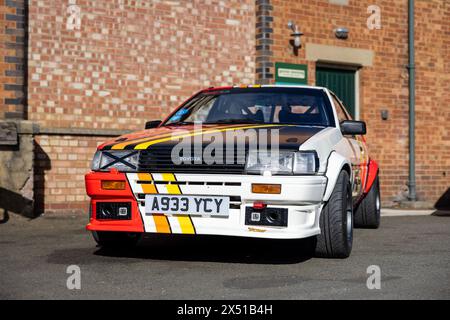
(282, 162)
(120, 160)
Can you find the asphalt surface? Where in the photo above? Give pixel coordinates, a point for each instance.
(413, 254)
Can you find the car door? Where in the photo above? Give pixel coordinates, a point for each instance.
(359, 158)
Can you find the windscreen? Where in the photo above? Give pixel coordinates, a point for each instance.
(267, 105)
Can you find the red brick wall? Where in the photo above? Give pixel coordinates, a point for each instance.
(133, 60)
(385, 84)
(130, 61)
(432, 97)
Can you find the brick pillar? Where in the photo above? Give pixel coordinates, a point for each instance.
(13, 76)
(264, 41)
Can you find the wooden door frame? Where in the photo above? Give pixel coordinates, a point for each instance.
(348, 67)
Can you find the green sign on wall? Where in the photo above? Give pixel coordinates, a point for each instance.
(289, 73)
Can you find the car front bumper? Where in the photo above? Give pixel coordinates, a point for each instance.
(301, 196)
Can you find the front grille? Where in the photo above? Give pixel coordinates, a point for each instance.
(158, 159)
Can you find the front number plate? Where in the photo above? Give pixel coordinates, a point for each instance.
(192, 205)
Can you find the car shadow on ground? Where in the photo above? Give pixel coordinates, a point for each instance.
(215, 249)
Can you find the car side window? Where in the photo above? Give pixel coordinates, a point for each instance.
(341, 113)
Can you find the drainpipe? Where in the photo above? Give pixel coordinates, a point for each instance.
(412, 104)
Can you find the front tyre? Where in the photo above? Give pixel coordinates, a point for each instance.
(113, 239)
(367, 214)
(336, 222)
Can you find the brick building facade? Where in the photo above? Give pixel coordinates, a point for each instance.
(125, 62)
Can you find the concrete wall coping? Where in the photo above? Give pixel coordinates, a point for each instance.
(82, 132)
(29, 127)
(21, 126)
(335, 54)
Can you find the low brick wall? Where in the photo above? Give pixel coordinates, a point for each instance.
(60, 166)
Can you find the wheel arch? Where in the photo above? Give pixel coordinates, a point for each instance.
(347, 168)
(336, 163)
(372, 174)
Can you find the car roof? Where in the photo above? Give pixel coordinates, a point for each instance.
(266, 86)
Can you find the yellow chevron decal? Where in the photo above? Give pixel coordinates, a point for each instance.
(122, 145)
(184, 220)
(161, 221)
(145, 145)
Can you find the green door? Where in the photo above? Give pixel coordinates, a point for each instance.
(341, 82)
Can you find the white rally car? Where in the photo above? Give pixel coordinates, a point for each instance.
(281, 162)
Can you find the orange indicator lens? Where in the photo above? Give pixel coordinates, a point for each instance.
(266, 188)
(113, 185)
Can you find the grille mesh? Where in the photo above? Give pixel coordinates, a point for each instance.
(159, 159)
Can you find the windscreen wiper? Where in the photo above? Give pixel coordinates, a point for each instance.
(180, 123)
(235, 121)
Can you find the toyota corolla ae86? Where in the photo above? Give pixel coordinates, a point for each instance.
(279, 162)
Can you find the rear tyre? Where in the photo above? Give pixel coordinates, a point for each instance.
(116, 239)
(336, 222)
(367, 214)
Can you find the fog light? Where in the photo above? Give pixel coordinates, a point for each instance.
(122, 212)
(113, 211)
(270, 217)
(106, 211)
(266, 188)
(113, 185)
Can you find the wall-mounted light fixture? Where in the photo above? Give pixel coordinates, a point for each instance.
(296, 43)
(341, 33)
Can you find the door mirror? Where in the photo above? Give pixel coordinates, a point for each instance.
(152, 124)
(352, 127)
